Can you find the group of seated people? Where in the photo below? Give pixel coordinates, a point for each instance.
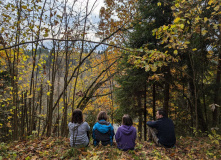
(160, 131)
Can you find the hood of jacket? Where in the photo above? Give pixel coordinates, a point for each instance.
(127, 129)
(102, 126)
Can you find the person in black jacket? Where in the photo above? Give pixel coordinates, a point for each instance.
(162, 131)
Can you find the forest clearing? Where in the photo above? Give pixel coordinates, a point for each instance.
(123, 57)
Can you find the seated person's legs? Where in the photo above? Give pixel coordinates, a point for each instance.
(95, 143)
(105, 143)
(152, 135)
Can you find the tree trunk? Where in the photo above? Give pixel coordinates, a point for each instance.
(154, 101)
(40, 105)
(216, 91)
(80, 58)
(201, 118)
(145, 111)
(22, 116)
(140, 110)
(166, 90)
(50, 114)
(64, 117)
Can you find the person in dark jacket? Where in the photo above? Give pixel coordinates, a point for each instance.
(126, 134)
(103, 131)
(162, 131)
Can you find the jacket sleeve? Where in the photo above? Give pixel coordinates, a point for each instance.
(152, 124)
(69, 125)
(93, 131)
(87, 126)
(112, 131)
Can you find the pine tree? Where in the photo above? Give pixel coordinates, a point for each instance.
(132, 93)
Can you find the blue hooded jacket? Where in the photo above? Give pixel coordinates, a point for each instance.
(103, 131)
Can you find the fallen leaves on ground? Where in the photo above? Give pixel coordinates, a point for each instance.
(58, 148)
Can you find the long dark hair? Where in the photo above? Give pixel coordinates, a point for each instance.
(102, 115)
(77, 116)
(127, 120)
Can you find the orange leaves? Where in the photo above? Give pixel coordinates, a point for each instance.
(9, 125)
(115, 14)
(109, 2)
(102, 11)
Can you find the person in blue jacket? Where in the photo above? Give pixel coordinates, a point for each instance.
(103, 131)
(162, 131)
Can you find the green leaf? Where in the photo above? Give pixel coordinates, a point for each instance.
(165, 27)
(45, 35)
(182, 26)
(177, 20)
(24, 7)
(154, 67)
(27, 158)
(175, 52)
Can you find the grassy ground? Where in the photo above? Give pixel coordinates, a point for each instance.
(58, 148)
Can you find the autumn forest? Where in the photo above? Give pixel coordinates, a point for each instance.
(119, 56)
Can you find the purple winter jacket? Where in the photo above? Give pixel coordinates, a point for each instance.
(125, 137)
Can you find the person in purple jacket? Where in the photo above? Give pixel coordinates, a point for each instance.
(126, 134)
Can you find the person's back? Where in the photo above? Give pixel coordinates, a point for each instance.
(78, 130)
(166, 133)
(78, 134)
(126, 134)
(103, 131)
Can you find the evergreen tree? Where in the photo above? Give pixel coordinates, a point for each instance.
(132, 92)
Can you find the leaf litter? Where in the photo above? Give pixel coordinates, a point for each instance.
(58, 148)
